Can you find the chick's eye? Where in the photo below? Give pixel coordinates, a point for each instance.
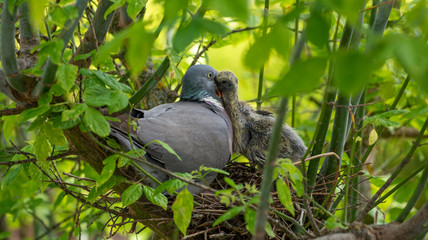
(210, 75)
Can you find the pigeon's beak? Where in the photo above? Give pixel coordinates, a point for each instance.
(218, 92)
(216, 88)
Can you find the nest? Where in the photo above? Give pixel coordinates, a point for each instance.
(210, 208)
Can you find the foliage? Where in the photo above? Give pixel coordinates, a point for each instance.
(61, 82)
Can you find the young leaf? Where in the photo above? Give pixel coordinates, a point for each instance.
(228, 215)
(106, 173)
(55, 135)
(96, 122)
(42, 148)
(134, 7)
(250, 219)
(66, 75)
(171, 186)
(131, 194)
(156, 198)
(182, 208)
(32, 112)
(74, 112)
(11, 175)
(284, 195)
(333, 222)
(299, 79)
(372, 137)
(166, 146)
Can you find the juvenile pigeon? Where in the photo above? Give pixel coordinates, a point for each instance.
(196, 127)
(252, 129)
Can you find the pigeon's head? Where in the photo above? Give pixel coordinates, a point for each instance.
(227, 82)
(199, 83)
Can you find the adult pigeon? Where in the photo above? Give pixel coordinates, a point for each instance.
(252, 129)
(196, 127)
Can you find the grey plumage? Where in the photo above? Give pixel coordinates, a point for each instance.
(252, 129)
(196, 127)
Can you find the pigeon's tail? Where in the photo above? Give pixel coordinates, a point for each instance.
(296, 145)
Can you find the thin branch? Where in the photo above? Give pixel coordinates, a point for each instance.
(49, 72)
(12, 111)
(406, 160)
(213, 41)
(51, 158)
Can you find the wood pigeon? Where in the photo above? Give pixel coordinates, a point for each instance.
(252, 129)
(196, 127)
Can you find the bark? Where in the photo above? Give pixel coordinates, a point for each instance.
(144, 211)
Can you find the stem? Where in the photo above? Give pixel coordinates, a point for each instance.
(414, 198)
(326, 111)
(398, 186)
(8, 55)
(49, 72)
(332, 165)
(406, 160)
(261, 72)
(151, 82)
(266, 185)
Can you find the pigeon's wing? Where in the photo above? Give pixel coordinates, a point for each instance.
(194, 131)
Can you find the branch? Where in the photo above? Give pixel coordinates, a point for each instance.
(11, 111)
(11, 163)
(8, 55)
(406, 160)
(48, 75)
(213, 41)
(96, 33)
(28, 39)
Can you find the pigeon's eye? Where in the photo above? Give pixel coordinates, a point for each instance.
(210, 75)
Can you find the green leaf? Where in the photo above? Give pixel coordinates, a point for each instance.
(45, 99)
(98, 190)
(378, 182)
(298, 79)
(171, 186)
(139, 47)
(172, 9)
(250, 219)
(258, 53)
(74, 113)
(156, 198)
(182, 208)
(134, 7)
(284, 195)
(228, 215)
(352, 71)
(382, 119)
(294, 175)
(106, 173)
(236, 9)
(85, 56)
(186, 35)
(269, 230)
(61, 14)
(317, 30)
(37, 11)
(166, 146)
(349, 8)
(5, 235)
(333, 222)
(54, 135)
(32, 112)
(51, 49)
(132, 194)
(116, 4)
(110, 81)
(66, 75)
(96, 122)
(42, 148)
(11, 175)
